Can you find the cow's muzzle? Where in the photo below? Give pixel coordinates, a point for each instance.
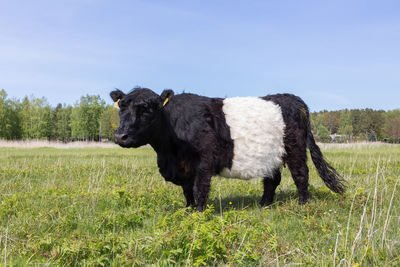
(120, 138)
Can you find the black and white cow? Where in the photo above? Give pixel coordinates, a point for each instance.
(197, 137)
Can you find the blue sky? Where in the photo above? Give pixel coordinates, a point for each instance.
(333, 54)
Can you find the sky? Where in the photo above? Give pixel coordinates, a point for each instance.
(333, 54)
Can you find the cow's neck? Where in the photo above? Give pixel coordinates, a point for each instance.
(162, 139)
(161, 144)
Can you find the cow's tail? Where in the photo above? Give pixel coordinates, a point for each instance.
(328, 174)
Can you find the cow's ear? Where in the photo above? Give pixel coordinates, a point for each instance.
(166, 96)
(117, 95)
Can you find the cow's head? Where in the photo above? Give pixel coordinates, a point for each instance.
(139, 113)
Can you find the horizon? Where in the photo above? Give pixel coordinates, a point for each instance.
(111, 103)
(341, 55)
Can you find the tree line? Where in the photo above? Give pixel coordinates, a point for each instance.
(91, 118)
(356, 125)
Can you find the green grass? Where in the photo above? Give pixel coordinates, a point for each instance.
(93, 206)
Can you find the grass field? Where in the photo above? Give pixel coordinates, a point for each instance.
(110, 206)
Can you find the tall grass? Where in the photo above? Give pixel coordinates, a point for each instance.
(94, 206)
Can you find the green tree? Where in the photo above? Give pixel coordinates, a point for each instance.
(62, 122)
(85, 118)
(356, 122)
(345, 125)
(35, 118)
(374, 122)
(109, 122)
(10, 127)
(372, 137)
(316, 119)
(3, 113)
(331, 121)
(392, 125)
(323, 134)
(393, 130)
(13, 126)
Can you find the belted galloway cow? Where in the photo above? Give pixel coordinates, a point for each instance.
(197, 137)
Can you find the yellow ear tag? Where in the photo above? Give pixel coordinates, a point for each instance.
(165, 102)
(116, 104)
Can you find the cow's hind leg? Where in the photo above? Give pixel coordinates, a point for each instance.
(299, 170)
(270, 185)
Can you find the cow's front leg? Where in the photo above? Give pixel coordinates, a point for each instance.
(188, 192)
(201, 188)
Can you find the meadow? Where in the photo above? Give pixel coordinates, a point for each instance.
(110, 206)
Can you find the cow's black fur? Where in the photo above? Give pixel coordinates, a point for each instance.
(297, 138)
(193, 141)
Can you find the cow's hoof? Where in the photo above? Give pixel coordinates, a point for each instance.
(265, 202)
(200, 208)
(302, 201)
